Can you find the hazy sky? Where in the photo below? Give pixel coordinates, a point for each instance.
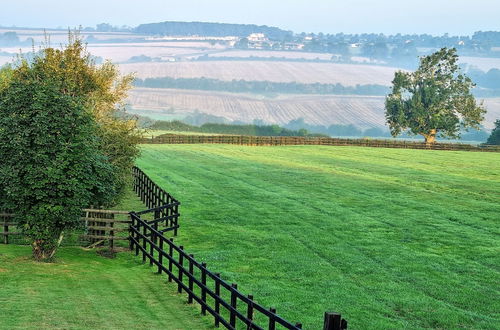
(329, 16)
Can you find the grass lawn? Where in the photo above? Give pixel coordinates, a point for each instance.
(389, 238)
(82, 290)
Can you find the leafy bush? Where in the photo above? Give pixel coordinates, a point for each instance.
(63, 146)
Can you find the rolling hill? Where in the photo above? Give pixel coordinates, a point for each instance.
(361, 111)
(345, 74)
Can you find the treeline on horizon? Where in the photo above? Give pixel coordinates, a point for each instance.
(490, 83)
(232, 129)
(260, 87)
(203, 29)
(295, 127)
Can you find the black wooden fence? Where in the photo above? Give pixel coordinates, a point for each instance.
(228, 306)
(165, 207)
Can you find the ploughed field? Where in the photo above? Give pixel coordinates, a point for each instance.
(389, 238)
(361, 111)
(82, 290)
(309, 73)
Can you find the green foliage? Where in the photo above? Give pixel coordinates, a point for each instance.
(62, 145)
(51, 167)
(495, 134)
(254, 130)
(433, 100)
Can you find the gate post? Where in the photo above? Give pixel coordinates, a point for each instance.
(333, 321)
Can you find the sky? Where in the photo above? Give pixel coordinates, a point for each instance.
(456, 17)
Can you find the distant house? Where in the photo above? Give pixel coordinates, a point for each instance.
(258, 41)
(257, 37)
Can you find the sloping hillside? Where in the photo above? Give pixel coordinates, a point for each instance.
(325, 110)
(332, 73)
(361, 111)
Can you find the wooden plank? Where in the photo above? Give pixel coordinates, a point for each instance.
(105, 211)
(92, 219)
(105, 237)
(114, 229)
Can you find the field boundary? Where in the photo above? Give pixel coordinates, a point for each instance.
(321, 141)
(229, 307)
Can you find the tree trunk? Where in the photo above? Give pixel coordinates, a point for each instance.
(43, 250)
(430, 138)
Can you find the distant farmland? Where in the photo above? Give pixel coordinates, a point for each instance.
(345, 74)
(123, 52)
(277, 54)
(361, 111)
(357, 110)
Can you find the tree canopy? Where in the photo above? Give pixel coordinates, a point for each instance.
(63, 144)
(433, 101)
(495, 134)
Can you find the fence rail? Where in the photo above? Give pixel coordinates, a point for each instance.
(228, 306)
(164, 206)
(300, 140)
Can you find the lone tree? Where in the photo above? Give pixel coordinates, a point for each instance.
(435, 100)
(62, 144)
(495, 134)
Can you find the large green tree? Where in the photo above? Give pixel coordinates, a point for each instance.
(434, 101)
(495, 134)
(63, 144)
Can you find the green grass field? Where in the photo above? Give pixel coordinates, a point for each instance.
(82, 290)
(389, 238)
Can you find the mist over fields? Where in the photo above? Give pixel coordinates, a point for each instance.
(232, 73)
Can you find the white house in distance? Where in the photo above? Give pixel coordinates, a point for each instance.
(257, 37)
(258, 41)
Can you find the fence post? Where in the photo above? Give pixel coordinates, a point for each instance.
(112, 233)
(333, 321)
(160, 255)
(130, 232)
(250, 311)
(144, 244)
(191, 271)
(137, 234)
(6, 232)
(203, 291)
(272, 321)
(151, 249)
(176, 224)
(232, 318)
(181, 265)
(217, 297)
(171, 254)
